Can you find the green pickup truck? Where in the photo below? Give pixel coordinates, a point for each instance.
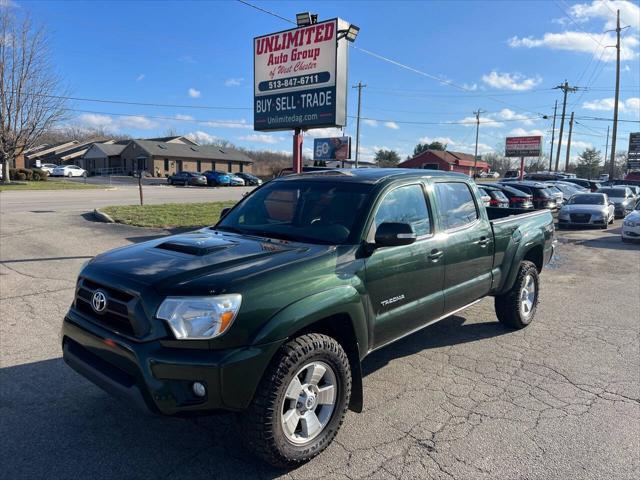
(271, 311)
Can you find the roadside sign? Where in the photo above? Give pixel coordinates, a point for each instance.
(300, 78)
(334, 148)
(523, 146)
(634, 146)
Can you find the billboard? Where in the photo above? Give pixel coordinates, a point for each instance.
(634, 146)
(300, 78)
(523, 146)
(334, 148)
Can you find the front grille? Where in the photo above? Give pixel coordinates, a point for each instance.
(117, 314)
(580, 217)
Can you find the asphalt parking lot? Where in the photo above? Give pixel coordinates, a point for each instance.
(462, 399)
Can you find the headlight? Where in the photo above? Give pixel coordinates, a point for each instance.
(629, 223)
(199, 318)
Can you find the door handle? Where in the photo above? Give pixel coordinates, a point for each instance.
(435, 255)
(483, 242)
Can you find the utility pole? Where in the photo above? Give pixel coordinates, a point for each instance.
(553, 133)
(606, 148)
(612, 157)
(565, 89)
(566, 162)
(475, 157)
(359, 86)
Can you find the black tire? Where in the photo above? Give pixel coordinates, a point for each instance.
(509, 309)
(605, 226)
(264, 433)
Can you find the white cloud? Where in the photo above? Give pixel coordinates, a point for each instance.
(507, 114)
(521, 132)
(391, 125)
(242, 123)
(470, 87)
(444, 140)
(511, 81)
(370, 122)
(182, 117)
(94, 120)
(582, 42)
(8, 4)
(187, 59)
(606, 10)
(324, 132)
(262, 138)
(580, 144)
(486, 120)
(201, 137)
(138, 122)
(193, 93)
(631, 104)
(233, 82)
(140, 77)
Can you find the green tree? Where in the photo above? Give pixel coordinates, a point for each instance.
(387, 158)
(589, 164)
(421, 147)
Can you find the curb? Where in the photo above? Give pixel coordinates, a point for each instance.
(103, 217)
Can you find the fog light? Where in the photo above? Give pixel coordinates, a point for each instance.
(199, 390)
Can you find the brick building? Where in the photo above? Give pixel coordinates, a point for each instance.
(445, 160)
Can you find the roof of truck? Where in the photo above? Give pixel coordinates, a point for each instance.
(370, 175)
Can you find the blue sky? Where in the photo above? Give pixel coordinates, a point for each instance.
(506, 56)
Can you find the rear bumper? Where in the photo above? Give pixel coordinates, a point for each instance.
(158, 379)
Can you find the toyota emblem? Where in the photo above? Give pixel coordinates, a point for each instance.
(99, 301)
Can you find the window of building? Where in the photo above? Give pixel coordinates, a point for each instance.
(405, 205)
(229, 167)
(455, 204)
(166, 164)
(198, 166)
(241, 169)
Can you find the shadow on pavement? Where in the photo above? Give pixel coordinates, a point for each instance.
(450, 331)
(57, 425)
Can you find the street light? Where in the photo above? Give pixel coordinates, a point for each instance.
(351, 33)
(305, 18)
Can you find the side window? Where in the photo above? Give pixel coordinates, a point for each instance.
(455, 204)
(405, 205)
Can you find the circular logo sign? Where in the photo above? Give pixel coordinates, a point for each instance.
(99, 301)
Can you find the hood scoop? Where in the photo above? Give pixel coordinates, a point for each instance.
(196, 245)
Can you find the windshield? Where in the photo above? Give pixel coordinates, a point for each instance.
(587, 200)
(614, 192)
(305, 211)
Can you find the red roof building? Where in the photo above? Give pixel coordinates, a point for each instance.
(444, 160)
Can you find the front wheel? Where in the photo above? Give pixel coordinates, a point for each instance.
(300, 403)
(517, 307)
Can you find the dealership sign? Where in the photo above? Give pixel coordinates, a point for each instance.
(634, 146)
(300, 78)
(523, 146)
(335, 148)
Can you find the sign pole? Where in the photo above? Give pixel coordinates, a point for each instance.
(521, 168)
(297, 151)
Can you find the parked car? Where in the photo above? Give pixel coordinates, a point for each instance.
(48, 167)
(485, 197)
(566, 189)
(251, 315)
(587, 209)
(631, 225)
(592, 185)
(68, 171)
(604, 177)
(575, 186)
(541, 196)
(249, 179)
(635, 190)
(517, 198)
(544, 176)
(622, 197)
(215, 178)
(496, 197)
(235, 180)
(556, 192)
(512, 174)
(187, 178)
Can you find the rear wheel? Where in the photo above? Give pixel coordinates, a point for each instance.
(517, 307)
(300, 403)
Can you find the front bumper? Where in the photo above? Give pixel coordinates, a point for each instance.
(632, 233)
(158, 378)
(594, 221)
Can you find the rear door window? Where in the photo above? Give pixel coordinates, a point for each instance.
(456, 204)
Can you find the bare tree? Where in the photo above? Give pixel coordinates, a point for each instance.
(28, 87)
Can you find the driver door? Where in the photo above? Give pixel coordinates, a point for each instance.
(405, 282)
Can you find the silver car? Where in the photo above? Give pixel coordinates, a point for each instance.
(587, 209)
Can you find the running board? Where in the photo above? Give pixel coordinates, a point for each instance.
(446, 315)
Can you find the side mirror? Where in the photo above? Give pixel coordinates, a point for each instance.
(394, 234)
(224, 212)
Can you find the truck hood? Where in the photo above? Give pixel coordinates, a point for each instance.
(178, 264)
